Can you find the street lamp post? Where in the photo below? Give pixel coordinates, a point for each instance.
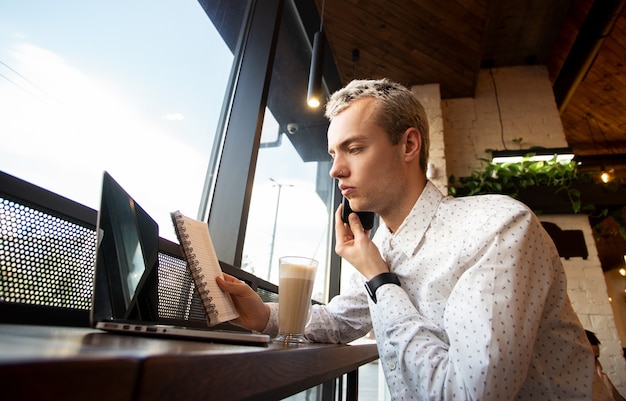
(280, 187)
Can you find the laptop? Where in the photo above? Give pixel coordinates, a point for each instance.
(125, 291)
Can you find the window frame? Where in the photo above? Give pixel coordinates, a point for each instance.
(230, 177)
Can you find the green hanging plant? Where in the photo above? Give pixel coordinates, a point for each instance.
(511, 178)
(550, 178)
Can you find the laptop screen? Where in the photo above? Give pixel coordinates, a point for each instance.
(126, 277)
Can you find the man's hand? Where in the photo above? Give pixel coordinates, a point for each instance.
(355, 246)
(253, 312)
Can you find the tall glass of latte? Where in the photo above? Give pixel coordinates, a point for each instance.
(294, 297)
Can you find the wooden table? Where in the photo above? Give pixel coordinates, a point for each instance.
(48, 362)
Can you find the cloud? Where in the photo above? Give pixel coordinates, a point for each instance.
(77, 125)
(173, 117)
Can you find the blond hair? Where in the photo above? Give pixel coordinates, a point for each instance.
(396, 109)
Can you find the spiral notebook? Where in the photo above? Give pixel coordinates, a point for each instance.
(204, 267)
(126, 277)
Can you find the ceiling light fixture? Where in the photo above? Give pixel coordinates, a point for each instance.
(314, 92)
(563, 155)
(606, 176)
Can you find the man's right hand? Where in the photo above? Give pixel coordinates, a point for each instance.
(354, 245)
(253, 312)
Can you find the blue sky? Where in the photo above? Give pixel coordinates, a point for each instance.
(133, 87)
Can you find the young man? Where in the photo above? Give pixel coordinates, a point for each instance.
(468, 295)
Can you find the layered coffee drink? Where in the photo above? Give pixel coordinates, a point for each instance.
(295, 287)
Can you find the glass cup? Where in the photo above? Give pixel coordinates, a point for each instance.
(295, 287)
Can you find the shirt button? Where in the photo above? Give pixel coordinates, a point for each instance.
(391, 365)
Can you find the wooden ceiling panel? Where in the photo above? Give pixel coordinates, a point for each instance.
(425, 41)
(413, 42)
(595, 118)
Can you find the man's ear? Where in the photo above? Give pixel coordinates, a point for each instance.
(412, 143)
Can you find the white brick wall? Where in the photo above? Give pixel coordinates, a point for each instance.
(587, 289)
(430, 97)
(523, 108)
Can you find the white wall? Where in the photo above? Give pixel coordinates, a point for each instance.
(587, 289)
(523, 108)
(430, 97)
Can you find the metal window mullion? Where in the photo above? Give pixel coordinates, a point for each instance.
(234, 175)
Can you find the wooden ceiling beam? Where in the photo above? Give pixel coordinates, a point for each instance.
(596, 28)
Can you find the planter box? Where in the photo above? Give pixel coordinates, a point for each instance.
(551, 200)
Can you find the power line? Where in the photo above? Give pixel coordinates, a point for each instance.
(21, 87)
(13, 70)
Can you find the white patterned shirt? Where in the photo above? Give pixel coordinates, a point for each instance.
(482, 312)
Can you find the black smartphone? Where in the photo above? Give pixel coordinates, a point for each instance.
(367, 218)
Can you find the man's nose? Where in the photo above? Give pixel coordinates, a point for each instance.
(336, 170)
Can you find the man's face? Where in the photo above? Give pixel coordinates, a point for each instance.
(365, 163)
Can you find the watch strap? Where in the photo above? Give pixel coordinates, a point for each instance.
(383, 278)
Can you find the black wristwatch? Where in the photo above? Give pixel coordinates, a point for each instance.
(376, 281)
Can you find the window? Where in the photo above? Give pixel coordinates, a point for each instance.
(288, 215)
(291, 205)
(135, 88)
(140, 89)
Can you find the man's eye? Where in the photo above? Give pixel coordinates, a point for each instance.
(354, 150)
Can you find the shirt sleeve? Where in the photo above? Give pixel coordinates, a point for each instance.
(491, 320)
(345, 318)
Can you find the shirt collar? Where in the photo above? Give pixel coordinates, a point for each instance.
(410, 233)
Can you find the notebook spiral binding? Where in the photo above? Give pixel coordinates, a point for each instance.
(193, 265)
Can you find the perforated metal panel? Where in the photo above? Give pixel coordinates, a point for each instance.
(49, 261)
(44, 260)
(267, 296)
(178, 298)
